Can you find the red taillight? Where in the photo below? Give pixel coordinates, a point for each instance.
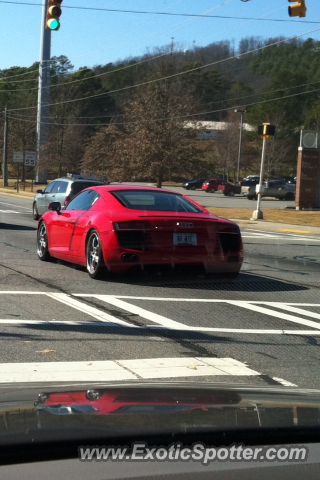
(228, 229)
(132, 225)
(66, 201)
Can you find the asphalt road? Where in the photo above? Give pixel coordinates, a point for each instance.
(58, 325)
(238, 201)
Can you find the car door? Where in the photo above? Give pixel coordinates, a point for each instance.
(45, 198)
(62, 227)
(95, 202)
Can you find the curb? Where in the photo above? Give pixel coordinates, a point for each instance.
(278, 227)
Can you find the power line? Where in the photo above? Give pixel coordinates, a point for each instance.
(22, 117)
(149, 82)
(176, 117)
(144, 12)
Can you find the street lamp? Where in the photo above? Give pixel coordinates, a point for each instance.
(240, 141)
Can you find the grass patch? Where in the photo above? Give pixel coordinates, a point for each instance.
(295, 217)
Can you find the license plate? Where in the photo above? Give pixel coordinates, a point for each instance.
(184, 239)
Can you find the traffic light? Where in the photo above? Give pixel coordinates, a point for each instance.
(266, 130)
(53, 14)
(298, 9)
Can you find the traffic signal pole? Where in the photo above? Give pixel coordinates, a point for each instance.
(44, 91)
(258, 214)
(5, 150)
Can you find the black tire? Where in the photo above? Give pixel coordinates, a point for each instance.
(231, 276)
(95, 264)
(212, 190)
(35, 212)
(193, 187)
(231, 193)
(289, 196)
(42, 243)
(249, 197)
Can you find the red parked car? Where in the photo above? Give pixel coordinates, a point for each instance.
(230, 189)
(211, 186)
(114, 227)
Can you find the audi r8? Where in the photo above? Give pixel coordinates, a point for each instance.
(115, 227)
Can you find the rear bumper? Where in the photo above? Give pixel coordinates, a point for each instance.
(120, 259)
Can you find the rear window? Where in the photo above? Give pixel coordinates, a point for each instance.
(77, 187)
(155, 201)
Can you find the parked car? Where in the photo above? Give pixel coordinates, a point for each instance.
(230, 189)
(274, 188)
(61, 190)
(194, 184)
(113, 228)
(249, 186)
(211, 186)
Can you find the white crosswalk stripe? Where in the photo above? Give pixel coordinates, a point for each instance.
(306, 315)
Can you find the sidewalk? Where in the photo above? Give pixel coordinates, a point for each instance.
(277, 227)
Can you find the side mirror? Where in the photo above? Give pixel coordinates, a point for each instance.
(55, 207)
(39, 191)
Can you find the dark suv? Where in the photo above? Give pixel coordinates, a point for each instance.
(194, 184)
(60, 190)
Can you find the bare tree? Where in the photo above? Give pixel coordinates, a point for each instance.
(157, 145)
(228, 144)
(101, 156)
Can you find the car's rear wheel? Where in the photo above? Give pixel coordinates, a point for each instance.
(289, 196)
(249, 197)
(212, 190)
(42, 243)
(35, 212)
(231, 193)
(95, 263)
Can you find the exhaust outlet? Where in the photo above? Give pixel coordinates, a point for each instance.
(130, 258)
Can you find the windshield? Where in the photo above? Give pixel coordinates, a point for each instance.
(149, 236)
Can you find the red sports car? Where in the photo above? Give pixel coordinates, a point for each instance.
(114, 227)
(132, 402)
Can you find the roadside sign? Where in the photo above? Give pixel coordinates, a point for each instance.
(30, 159)
(18, 157)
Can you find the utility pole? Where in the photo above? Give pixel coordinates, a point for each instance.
(240, 142)
(5, 150)
(44, 90)
(266, 130)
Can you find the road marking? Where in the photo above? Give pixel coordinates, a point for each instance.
(109, 370)
(153, 317)
(19, 206)
(11, 211)
(300, 311)
(162, 323)
(151, 329)
(88, 310)
(272, 313)
(294, 231)
(284, 382)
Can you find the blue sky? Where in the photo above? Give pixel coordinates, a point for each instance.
(94, 37)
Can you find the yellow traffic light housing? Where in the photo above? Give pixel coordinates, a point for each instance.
(266, 130)
(298, 9)
(53, 14)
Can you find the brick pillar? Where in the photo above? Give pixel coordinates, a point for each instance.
(308, 179)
